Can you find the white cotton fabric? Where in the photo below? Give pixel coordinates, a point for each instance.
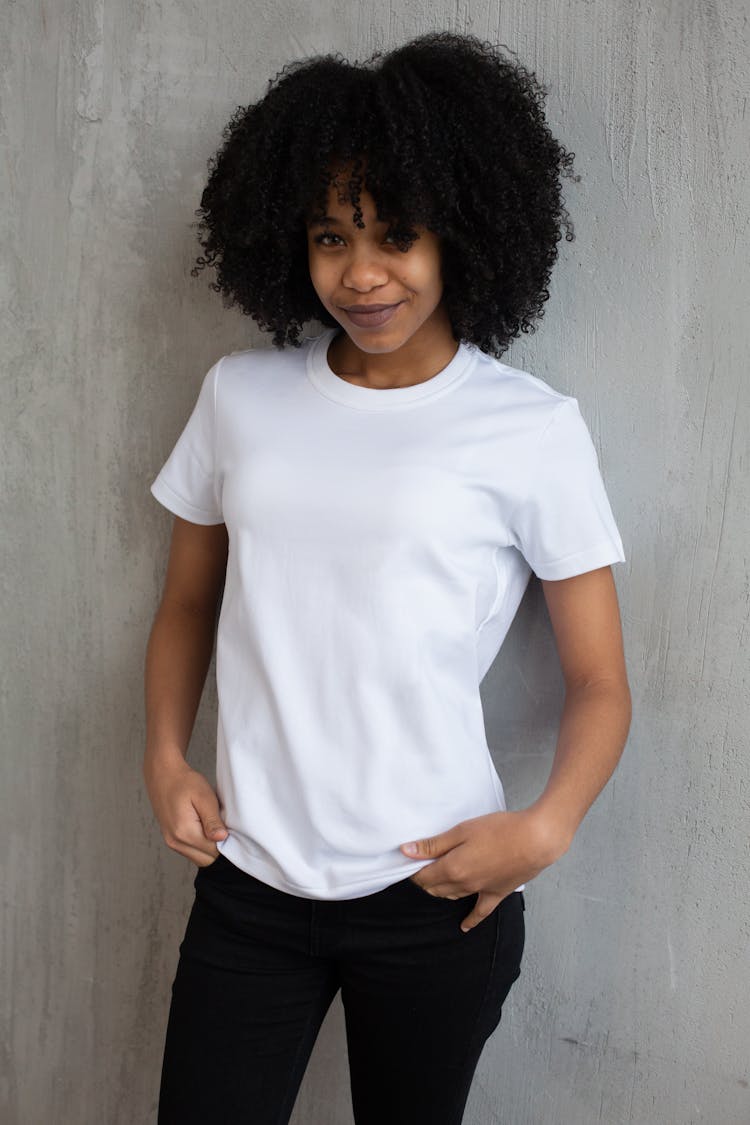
(380, 542)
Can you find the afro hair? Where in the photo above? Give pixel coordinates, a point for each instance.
(455, 140)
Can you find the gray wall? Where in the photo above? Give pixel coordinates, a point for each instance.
(633, 1004)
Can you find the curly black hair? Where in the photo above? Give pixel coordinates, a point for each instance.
(454, 139)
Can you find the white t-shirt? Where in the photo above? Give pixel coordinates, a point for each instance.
(380, 542)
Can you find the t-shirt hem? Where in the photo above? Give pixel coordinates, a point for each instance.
(169, 498)
(254, 865)
(605, 554)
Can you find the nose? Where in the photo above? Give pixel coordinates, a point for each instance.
(364, 270)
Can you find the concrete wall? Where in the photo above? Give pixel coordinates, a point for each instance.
(633, 1004)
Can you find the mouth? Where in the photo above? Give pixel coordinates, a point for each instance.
(371, 316)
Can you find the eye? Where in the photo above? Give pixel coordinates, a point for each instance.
(320, 238)
(403, 237)
(394, 235)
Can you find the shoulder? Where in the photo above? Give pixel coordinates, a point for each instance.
(520, 383)
(529, 400)
(257, 368)
(263, 358)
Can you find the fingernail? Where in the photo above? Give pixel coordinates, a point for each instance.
(412, 849)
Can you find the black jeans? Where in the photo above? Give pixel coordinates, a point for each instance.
(258, 970)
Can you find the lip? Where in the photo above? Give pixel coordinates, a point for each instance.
(379, 315)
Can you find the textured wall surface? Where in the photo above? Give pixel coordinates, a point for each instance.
(632, 1007)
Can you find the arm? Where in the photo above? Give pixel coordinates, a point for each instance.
(177, 659)
(494, 854)
(597, 708)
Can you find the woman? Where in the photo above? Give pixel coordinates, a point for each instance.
(368, 504)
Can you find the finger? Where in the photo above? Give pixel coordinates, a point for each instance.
(206, 861)
(214, 827)
(189, 835)
(433, 846)
(483, 907)
(428, 890)
(435, 890)
(201, 856)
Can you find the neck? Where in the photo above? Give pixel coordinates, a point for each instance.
(423, 355)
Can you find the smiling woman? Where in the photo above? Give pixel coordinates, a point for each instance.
(367, 506)
(387, 298)
(422, 123)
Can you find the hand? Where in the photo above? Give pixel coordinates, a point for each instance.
(187, 809)
(491, 855)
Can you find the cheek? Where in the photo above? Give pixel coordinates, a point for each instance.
(425, 275)
(317, 276)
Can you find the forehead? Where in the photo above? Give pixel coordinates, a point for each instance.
(339, 208)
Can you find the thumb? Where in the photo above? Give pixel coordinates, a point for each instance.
(213, 826)
(428, 847)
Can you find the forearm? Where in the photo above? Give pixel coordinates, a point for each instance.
(178, 655)
(593, 730)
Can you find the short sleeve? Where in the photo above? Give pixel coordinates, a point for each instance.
(564, 526)
(186, 483)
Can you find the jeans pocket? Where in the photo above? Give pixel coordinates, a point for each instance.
(207, 868)
(512, 931)
(425, 894)
(216, 860)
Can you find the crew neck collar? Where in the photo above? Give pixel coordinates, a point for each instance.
(325, 379)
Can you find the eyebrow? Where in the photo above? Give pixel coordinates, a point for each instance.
(331, 220)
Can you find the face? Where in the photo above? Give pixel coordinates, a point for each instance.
(362, 268)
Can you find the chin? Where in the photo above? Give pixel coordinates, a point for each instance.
(377, 339)
(381, 344)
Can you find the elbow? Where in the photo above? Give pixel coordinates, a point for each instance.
(611, 690)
